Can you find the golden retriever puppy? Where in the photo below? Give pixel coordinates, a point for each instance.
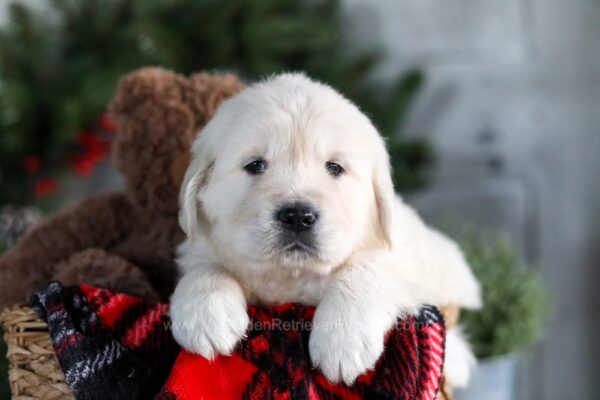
(289, 198)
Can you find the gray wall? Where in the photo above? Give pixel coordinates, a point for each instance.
(512, 104)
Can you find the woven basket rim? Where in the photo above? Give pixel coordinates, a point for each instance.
(34, 371)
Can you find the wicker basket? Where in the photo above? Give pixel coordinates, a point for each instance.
(34, 372)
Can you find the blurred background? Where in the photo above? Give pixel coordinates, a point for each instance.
(491, 109)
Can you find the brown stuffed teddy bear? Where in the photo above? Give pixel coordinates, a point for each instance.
(125, 241)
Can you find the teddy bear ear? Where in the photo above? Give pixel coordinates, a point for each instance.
(140, 86)
(205, 93)
(182, 104)
(149, 107)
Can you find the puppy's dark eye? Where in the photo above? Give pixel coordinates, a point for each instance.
(334, 169)
(256, 167)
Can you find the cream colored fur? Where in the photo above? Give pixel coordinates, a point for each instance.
(376, 259)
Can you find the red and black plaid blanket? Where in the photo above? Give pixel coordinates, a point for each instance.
(115, 346)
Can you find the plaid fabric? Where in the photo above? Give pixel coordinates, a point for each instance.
(115, 346)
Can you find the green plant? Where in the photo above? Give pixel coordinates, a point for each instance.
(515, 301)
(60, 61)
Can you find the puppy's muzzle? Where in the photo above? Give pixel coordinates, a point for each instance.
(297, 217)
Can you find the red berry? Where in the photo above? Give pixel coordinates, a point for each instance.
(45, 187)
(105, 123)
(32, 164)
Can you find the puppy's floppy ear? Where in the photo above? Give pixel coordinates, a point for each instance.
(385, 196)
(196, 178)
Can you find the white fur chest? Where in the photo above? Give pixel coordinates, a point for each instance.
(284, 286)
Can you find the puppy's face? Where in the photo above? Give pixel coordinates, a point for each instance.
(288, 174)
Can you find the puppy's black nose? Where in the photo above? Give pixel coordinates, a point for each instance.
(297, 217)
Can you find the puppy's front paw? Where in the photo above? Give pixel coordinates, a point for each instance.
(210, 327)
(343, 346)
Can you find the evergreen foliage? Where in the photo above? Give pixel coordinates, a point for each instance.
(60, 61)
(515, 301)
